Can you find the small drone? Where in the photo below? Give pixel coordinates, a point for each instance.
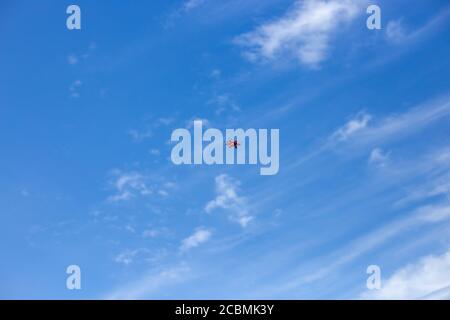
(233, 144)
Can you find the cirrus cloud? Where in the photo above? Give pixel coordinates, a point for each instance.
(303, 32)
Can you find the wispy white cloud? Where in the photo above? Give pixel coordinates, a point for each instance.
(427, 278)
(164, 121)
(352, 127)
(363, 129)
(72, 59)
(185, 8)
(155, 152)
(128, 185)
(440, 294)
(303, 32)
(127, 257)
(410, 121)
(200, 236)
(425, 215)
(399, 33)
(152, 283)
(139, 136)
(170, 185)
(192, 4)
(163, 193)
(150, 233)
(378, 157)
(130, 228)
(224, 102)
(141, 256)
(436, 186)
(74, 89)
(216, 73)
(332, 263)
(227, 198)
(395, 30)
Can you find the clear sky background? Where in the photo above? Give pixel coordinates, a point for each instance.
(85, 171)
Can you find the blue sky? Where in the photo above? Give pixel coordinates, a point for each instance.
(86, 177)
